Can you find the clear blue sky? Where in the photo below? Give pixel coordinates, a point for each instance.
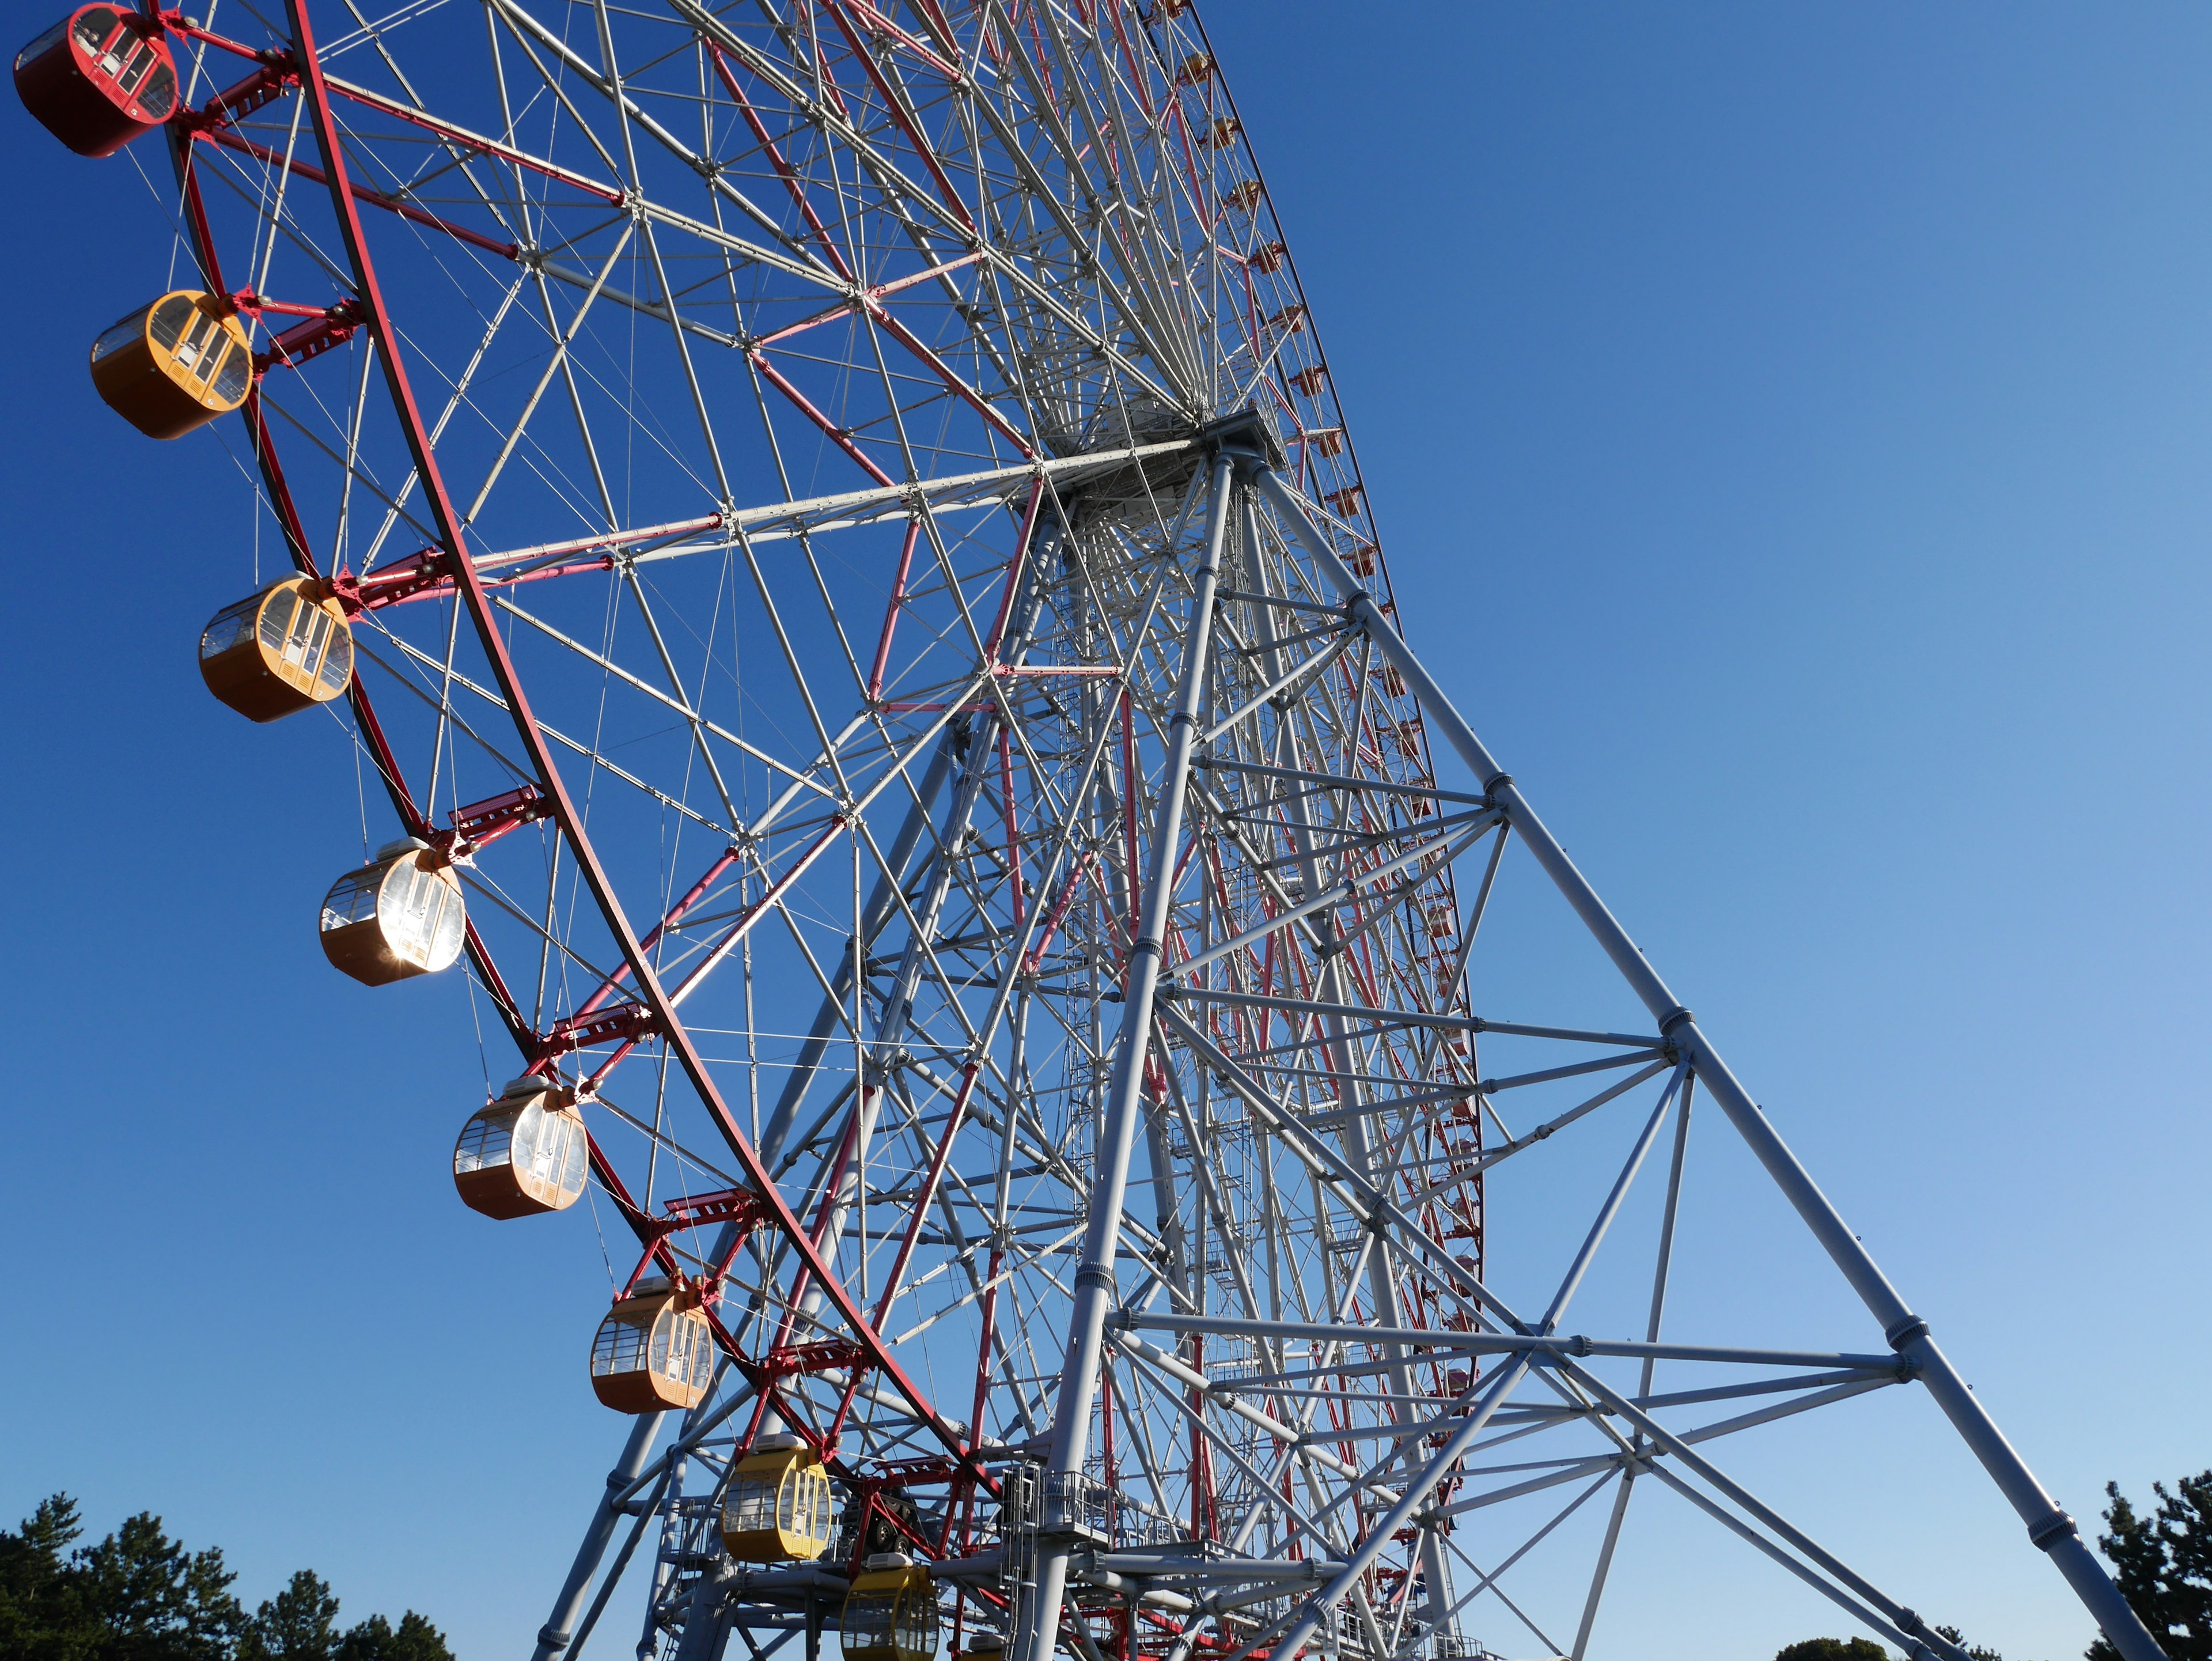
(1790, 429)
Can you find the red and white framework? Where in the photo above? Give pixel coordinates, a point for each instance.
(964, 822)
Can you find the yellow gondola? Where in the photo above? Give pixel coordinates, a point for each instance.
(890, 1611)
(524, 1154)
(777, 1507)
(175, 364)
(283, 650)
(654, 1349)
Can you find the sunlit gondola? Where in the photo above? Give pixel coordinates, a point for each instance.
(777, 1508)
(400, 914)
(525, 1153)
(653, 1350)
(175, 364)
(284, 649)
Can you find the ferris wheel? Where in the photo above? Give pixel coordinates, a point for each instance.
(831, 524)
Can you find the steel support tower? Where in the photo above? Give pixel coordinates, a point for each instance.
(854, 554)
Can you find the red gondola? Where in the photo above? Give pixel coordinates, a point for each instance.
(97, 79)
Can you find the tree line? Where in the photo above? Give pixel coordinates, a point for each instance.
(2161, 1560)
(140, 1596)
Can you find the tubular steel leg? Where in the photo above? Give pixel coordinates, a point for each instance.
(1095, 1279)
(2048, 1526)
(553, 1637)
(706, 1624)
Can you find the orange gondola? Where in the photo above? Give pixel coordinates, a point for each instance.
(524, 1154)
(402, 914)
(97, 79)
(654, 1350)
(284, 649)
(175, 364)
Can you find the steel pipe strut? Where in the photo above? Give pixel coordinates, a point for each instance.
(1400, 1516)
(560, 1628)
(883, 904)
(1094, 1278)
(2048, 1525)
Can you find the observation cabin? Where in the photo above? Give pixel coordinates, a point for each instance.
(654, 1349)
(524, 1153)
(175, 364)
(777, 1508)
(97, 79)
(890, 1611)
(398, 916)
(284, 649)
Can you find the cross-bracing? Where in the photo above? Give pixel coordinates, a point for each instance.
(1074, 1062)
(1351, 1447)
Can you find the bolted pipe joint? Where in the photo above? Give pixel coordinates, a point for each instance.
(1900, 1334)
(1927, 1644)
(2052, 1530)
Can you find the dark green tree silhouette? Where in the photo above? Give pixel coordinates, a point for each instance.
(2163, 1563)
(373, 1639)
(42, 1612)
(1974, 1652)
(154, 1600)
(299, 1624)
(140, 1596)
(1832, 1649)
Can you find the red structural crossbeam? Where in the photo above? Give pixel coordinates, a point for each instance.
(324, 327)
